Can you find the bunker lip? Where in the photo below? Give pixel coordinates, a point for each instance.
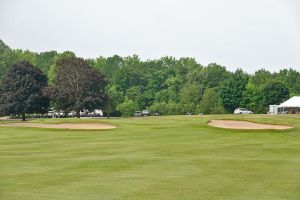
(86, 126)
(235, 124)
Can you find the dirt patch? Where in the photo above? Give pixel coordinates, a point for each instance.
(233, 124)
(92, 126)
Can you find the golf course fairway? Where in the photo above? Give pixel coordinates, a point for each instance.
(164, 157)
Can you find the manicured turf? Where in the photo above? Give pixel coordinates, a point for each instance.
(168, 158)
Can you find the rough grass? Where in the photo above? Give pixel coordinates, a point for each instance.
(169, 158)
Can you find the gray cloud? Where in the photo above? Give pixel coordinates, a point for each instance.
(250, 34)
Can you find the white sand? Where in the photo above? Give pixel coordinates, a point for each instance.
(233, 124)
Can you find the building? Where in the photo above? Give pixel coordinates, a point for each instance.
(291, 106)
(273, 109)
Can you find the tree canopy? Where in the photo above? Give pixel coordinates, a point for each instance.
(77, 86)
(21, 90)
(168, 85)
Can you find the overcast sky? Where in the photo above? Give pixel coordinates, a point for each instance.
(250, 34)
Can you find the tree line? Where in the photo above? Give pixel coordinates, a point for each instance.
(122, 85)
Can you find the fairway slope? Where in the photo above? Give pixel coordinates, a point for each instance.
(150, 158)
(234, 124)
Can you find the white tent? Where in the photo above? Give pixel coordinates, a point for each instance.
(291, 106)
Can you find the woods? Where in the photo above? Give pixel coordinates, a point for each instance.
(121, 85)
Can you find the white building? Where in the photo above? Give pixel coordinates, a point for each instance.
(291, 106)
(273, 109)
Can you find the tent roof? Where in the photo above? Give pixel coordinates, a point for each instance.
(292, 102)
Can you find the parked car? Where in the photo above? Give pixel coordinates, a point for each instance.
(138, 114)
(84, 113)
(242, 111)
(54, 114)
(189, 113)
(72, 114)
(50, 114)
(146, 112)
(156, 114)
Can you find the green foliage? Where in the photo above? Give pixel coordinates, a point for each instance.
(253, 96)
(115, 97)
(258, 98)
(275, 93)
(290, 78)
(253, 99)
(8, 57)
(108, 66)
(191, 94)
(160, 107)
(128, 107)
(172, 108)
(231, 92)
(77, 86)
(260, 78)
(3, 47)
(131, 74)
(29, 56)
(212, 76)
(45, 60)
(21, 90)
(211, 103)
(53, 68)
(175, 85)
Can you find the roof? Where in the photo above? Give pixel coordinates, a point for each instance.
(292, 102)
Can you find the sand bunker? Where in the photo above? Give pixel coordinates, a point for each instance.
(233, 124)
(92, 126)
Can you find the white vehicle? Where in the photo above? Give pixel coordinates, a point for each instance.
(146, 112)
(242, 111)
(95, 113)
(54, 114)
(72, 114)
(83, 113)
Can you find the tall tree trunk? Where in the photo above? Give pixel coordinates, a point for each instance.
(23, 116)
(108, 111)
(78, 113)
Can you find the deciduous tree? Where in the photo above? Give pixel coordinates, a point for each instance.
(21, 90)
(275, 93)
(231, 92)
(78, 86)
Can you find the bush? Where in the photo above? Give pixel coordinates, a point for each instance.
(172, 108)
(127, 108)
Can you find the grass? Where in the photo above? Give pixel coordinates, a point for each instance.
(167, 157)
